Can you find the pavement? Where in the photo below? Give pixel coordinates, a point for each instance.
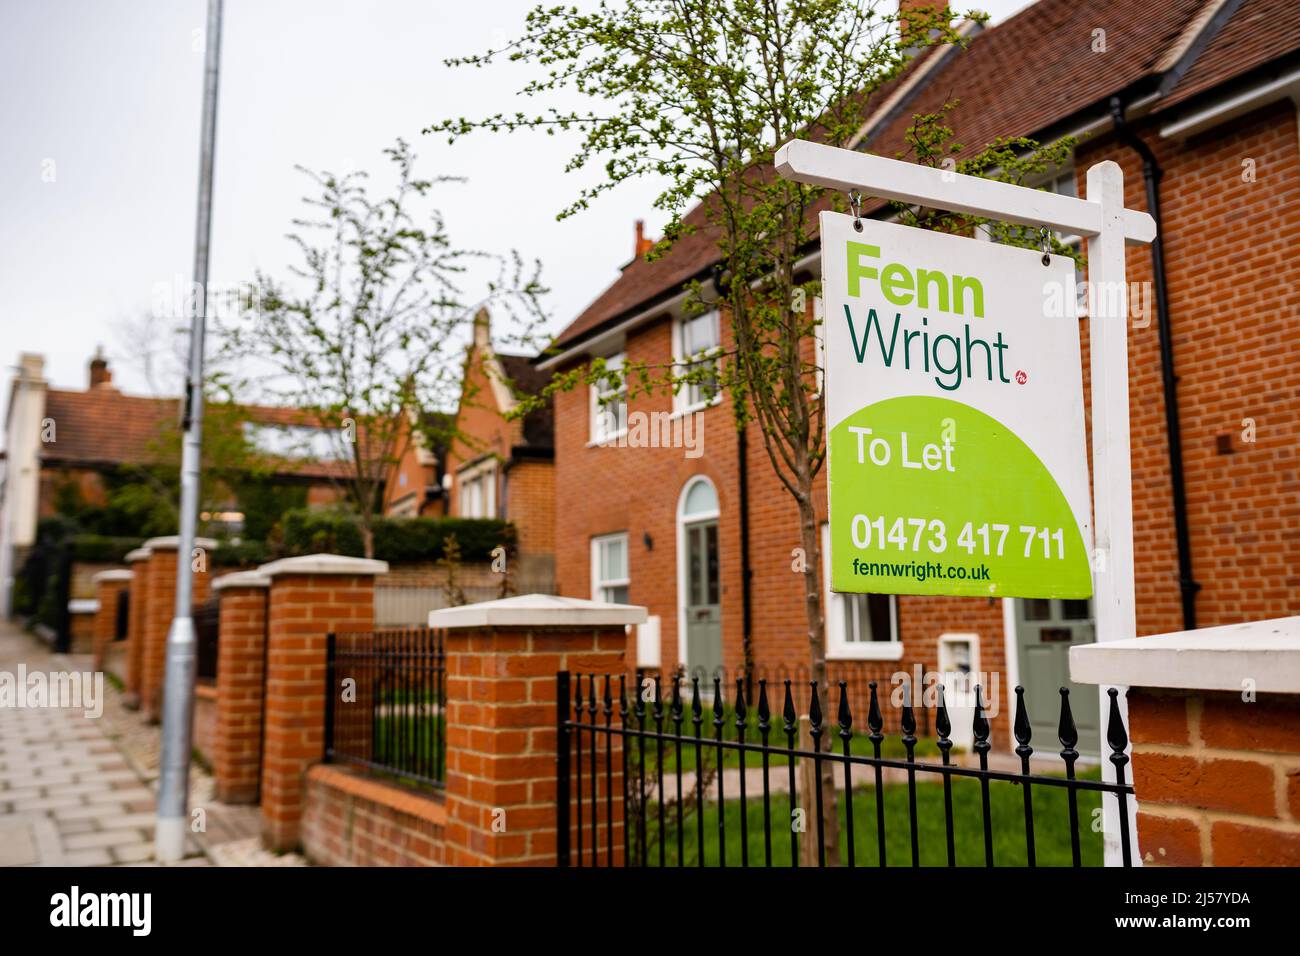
(79, 789)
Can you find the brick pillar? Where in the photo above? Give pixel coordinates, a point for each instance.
(241, 651)
(160, 605)
(81, 625)
(310, 596)
(1217, 777)
(502, 658)
(1212, 717)
(139, 561)
(108, 586)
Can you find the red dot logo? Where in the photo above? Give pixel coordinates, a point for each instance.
(1021, 377)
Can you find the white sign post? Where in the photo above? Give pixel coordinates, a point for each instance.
(1107, 225)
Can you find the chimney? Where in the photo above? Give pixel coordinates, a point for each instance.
(100, 376)
(643, 243)
(31, 366)
(482, 331)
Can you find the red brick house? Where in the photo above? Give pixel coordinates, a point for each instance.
(500, 467)
(61, 440)
(1201, 96)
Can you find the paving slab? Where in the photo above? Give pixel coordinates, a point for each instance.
(78, 791)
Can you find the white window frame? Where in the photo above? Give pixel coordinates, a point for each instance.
(599, 584)
(684, 520)
(598, 412)
(295, 442)
(683, 401)
(838, 646)
(483, 473)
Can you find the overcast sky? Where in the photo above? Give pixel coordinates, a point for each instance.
(99, 133)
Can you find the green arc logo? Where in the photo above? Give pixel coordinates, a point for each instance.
(920, 504)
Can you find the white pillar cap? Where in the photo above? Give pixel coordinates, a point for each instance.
(241, 579)
(173, 541)
(1265, 653)
(112, 574)
(324, 564)
(538, 610)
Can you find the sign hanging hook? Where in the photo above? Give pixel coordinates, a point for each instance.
(855, 203)
(1045, 235)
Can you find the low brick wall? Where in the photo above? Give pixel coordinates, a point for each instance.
(1217, 777)
(205, 720)
(81, 627)
(352, 820)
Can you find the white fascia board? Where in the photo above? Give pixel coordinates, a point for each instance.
(595, 343)
(1239, 104)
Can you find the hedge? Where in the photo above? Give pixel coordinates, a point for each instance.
(396, 539)
(103, 549)
(248, 552)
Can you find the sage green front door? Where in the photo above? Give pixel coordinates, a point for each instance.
(1046, 629)
(703, 602)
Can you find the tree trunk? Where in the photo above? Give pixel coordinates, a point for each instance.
(367, 540)
(810, 540)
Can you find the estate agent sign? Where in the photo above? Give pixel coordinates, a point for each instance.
(954, 396)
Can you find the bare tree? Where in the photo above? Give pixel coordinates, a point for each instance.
(367, 333)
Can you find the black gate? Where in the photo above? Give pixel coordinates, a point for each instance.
(47, 588)
(123, 614)
(693, 780)
(207, 630)
(386, 703)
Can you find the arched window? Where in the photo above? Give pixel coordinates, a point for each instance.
(699, 500)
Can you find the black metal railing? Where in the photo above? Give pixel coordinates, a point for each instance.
(122, 615)
(207, 636)
(46, 588)
(385, 703)
(851, 678)
(641, 784)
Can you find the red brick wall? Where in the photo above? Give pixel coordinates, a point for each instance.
(137, 614)
(1217, 778)
(1234, 289)
(349, 820)
(160, 581)
(303, 609)
(81, 627)
(404, 488)
(530, 505)
(481, 429)
(237, 747)
(105, 626)
(205, 720)
(605, 489)
(160, 605)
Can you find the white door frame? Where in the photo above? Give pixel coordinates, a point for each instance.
(1104, 221)
(681, 523)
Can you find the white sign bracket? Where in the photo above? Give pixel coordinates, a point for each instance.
(845, 170)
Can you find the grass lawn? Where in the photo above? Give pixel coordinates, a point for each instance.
(1006, 803)
(410, 744)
